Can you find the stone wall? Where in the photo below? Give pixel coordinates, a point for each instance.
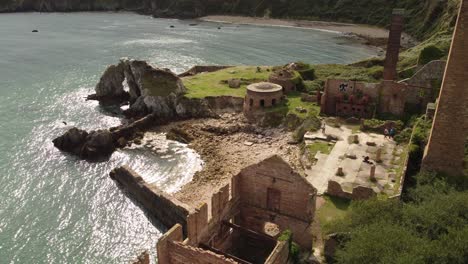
(253, 100)
(280, 254)
(165, 208)
(393, 46)
(358, 193)
(271, 191)
(335, 88)
(424, 82)
(297, 195)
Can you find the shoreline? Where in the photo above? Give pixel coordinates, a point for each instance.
(227, 145)
(369, 35)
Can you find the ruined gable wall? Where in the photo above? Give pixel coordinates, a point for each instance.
(297, 198)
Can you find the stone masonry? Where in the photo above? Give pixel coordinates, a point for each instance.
(445, 150)
(393, 48)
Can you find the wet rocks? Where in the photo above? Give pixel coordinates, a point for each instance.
(93, 146)
(72, 141)
(180, 135)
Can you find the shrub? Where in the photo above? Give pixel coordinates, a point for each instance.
(294, 250)
(429, 54)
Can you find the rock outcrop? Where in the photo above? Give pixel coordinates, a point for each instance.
(156, 96)
(93, 146)
(151, 91)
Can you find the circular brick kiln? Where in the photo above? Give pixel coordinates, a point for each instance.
(262, 95)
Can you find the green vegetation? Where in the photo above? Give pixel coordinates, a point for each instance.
(315, 147)
(429, 54)
(215, 83)
(377, 124)
(333, 209)
(430, 227)
(306, 71)
(294, 249)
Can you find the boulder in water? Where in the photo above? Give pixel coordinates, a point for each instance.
(72, 141)
(93, 146)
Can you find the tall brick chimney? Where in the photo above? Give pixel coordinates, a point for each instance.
(393, 46)
(446, 147)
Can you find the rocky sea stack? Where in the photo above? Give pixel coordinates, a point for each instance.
(155, 96)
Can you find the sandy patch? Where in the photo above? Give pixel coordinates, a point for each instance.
(374, 36)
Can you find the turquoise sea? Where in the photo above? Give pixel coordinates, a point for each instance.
(57, 209)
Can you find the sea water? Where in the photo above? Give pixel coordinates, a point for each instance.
(55, 208)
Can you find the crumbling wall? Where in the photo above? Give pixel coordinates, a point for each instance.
(335, 88)
(271, 191)
(297, 194)
(211, 231)
(280, 254)
(168, 210)
(423, 83)
(358, 193)
(183, 254)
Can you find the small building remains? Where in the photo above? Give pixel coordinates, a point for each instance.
(348, 98)
(246, 219)
(262, 95)
(286, 78)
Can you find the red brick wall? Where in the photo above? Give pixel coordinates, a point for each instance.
(446, 147)
(332, 91)
(257, 97)
(297, 195)
(393, 47)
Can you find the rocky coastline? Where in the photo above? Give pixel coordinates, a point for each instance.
(154, 97)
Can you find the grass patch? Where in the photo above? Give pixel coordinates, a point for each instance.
(210, 84)
(315, 147)
(294, 101)
(334, 208)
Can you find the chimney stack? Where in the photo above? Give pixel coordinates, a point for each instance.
(445, 151)
(393, 46)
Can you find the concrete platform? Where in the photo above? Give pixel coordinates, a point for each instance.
(356, 171)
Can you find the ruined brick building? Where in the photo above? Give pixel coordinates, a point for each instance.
(446, 147)
(359, 99)
(239, 227)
